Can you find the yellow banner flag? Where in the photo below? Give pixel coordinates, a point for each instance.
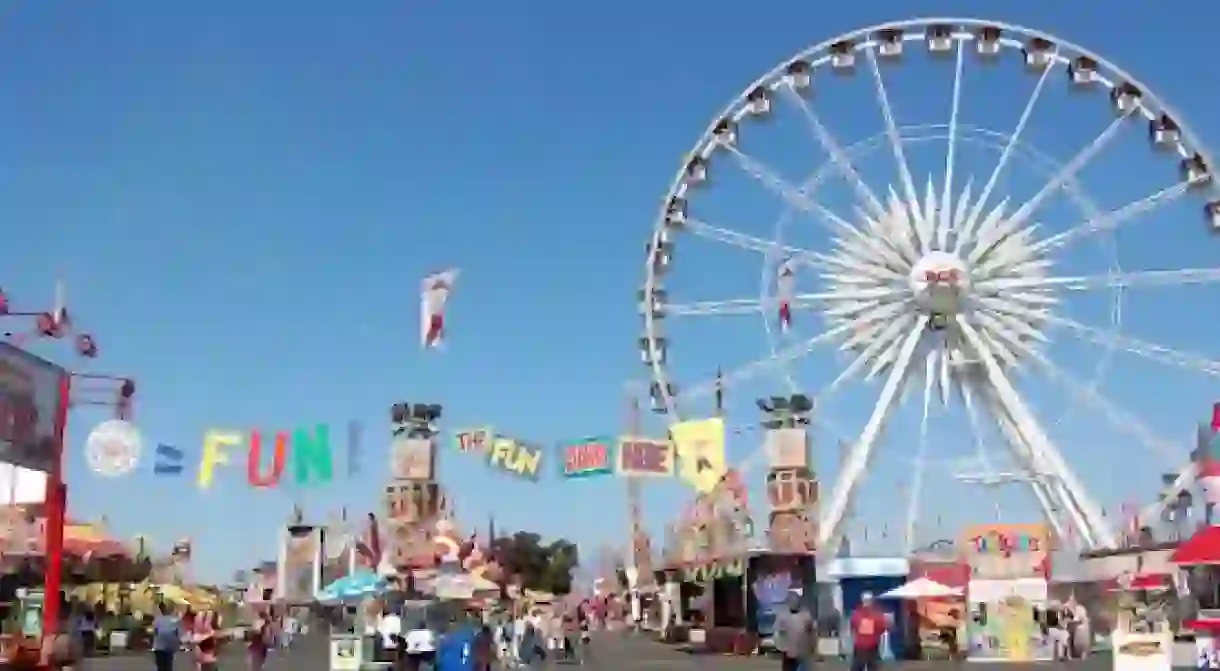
(700, 447)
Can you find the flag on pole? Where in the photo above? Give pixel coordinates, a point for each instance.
(434, 295)
(785, 283)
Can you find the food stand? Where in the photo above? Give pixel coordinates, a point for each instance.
(1142, 638)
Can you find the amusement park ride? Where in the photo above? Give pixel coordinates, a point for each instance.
(942, 292)
(24, 382)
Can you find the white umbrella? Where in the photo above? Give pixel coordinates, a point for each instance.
(459, 586)
(921, 588)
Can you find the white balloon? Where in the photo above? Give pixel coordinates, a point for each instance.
(113, 448)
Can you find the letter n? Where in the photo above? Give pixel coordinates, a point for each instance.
(311, 454)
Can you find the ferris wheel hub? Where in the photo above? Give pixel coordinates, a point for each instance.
(940, 282)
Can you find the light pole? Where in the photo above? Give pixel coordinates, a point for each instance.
(792, 488)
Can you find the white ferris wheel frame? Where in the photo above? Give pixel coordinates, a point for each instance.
(1063, 499)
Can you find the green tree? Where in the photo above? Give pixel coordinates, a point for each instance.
(547, 567)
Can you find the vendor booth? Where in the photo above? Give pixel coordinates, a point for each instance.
(876, 575)
(1008, 592)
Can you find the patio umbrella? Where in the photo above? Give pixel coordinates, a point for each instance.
(921, 588)
(352, 587)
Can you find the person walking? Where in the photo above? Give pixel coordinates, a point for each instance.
(868, 627)
(259, 641)
(207, 643)
(795, 635)
(167, 638)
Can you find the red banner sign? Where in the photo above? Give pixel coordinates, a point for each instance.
(587, 458)
(645, 457)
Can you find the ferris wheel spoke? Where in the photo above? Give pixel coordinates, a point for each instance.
(1124, 421)
(830, 526)
(1131, 280)
(756, 244)
(976, 430)
(1086, 514)
(1108, 221)
(743, 306)
(781, 357)
(921, 453)
(895, 138)
(1143, 348)
(1068, 172)
(1005, 154)
(793, 195)
(837, 156)
(945, 221)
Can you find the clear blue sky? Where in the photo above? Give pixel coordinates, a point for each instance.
(243, 197)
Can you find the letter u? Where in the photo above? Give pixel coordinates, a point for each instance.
(253, 465)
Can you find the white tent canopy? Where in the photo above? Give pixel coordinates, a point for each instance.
(921, 588)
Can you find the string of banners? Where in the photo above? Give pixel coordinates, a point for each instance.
(693, 452)
(114, 448)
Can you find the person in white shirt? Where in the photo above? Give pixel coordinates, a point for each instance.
(420, 641)
(389, 628)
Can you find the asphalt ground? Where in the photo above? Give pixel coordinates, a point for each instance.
(609, 652)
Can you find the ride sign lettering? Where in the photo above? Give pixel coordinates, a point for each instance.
(587, 458)
(645, 457)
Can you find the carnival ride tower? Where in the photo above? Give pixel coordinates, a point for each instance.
(792, 486)
(414, 499)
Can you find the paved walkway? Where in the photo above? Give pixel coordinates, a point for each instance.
(611, 652)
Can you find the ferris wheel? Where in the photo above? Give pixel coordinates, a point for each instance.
(981, 213)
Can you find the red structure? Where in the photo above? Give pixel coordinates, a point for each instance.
(26, 380)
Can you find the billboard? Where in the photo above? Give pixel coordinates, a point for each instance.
(412, 459)
(770, 578)
(788, 448)
(700, 447)
(300, 567)
(29, 405)
(587, 458)
(645, 457)
(1007, 551)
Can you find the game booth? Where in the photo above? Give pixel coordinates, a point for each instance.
(730, 604)
(877, 575)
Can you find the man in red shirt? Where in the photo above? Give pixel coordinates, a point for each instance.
(868, 623)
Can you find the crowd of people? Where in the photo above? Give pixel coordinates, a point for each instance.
(524, 640)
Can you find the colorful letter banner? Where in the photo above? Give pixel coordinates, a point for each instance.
(268, 454)
(514, 457)
(587, 458)
(476, 440)
(700, 447)
(645, 457)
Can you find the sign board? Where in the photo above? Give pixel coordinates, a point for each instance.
(1007, 551)
(412, 459)
(476, 440)
(587, 458)
(29, 405)
(645, 457)
(788, 448)
(299, 573)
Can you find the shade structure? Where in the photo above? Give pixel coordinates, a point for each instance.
(921, 588)
(1142, 582)
(353, 587)
(458, 586)
(1200, 549)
